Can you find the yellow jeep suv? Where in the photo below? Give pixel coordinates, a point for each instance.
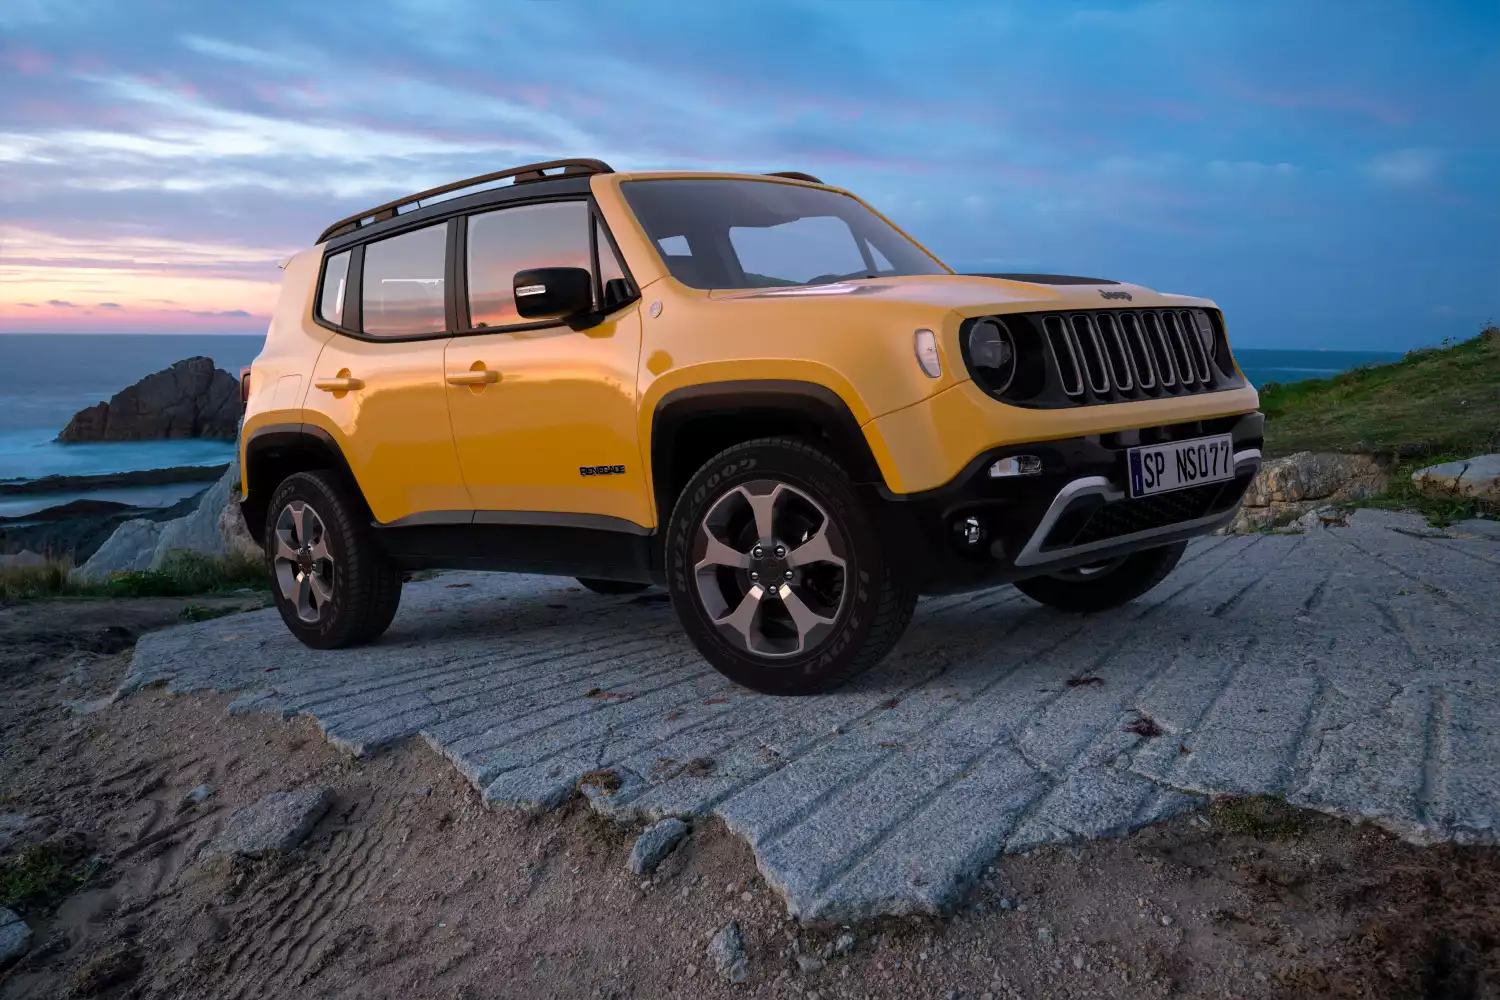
(754, 390)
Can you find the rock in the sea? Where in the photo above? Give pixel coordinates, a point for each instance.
(15, 937)
(278, 822)
(1475, 478)
(1287, 488)
(727, 950)
(191, 399)
(654, 844)
(216, 529)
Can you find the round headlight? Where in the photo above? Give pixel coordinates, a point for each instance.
(991, 347)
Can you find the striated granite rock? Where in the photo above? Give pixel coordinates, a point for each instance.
(1287, 488)
(190, 399)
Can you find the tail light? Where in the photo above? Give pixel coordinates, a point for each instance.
(244, 386)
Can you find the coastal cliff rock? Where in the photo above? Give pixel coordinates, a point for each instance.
(190, 399)
(1476, 478)
(1287, 488)
(216, 528)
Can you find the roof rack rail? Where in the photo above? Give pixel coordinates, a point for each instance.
(529, 172)
(795, 175)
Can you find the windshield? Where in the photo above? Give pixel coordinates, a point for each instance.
(761, 234)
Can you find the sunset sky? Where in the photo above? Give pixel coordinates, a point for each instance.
(1329, 172)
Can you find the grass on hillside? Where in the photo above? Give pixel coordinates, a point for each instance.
(184, 574)
(1436, 402)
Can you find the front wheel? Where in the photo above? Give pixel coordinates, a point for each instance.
(777, 572)
(1104, 584)
(333, 585)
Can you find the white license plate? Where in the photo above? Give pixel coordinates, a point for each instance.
(1158, 468)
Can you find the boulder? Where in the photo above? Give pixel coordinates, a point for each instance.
(1476, 478)
(25, 557)
(190, 399)
(216, 529)
(1288, 488)
(655, 844)
(15, 937)
(278, 822)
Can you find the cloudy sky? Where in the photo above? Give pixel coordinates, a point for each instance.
(1328, 171)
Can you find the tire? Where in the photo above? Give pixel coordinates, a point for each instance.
(347, 591)
(838, 622)
(1097, 588)
(613, 586)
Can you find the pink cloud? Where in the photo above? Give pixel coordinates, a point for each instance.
(26, 61)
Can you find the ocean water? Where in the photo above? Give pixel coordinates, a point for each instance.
(46, 378)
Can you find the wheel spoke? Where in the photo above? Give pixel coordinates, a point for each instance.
(284, 549)
(321, 587)
(815, 550)
(719, 554)
(764, 507)
(742, 618)
(303, 523)
(805, 618)
(320, 549)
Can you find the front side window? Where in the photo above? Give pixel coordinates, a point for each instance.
(403, 284)
(335, 278)
(502, 242)
(762, 234)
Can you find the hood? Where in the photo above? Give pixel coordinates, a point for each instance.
(983, 294)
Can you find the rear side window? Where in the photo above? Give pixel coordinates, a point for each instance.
(402, 284)
(508, 240)
(335, 279)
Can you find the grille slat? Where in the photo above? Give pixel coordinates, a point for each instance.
(1091, 356)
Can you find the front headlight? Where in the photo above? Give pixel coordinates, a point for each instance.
(992, 347)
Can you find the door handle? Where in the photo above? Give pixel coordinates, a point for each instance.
(483, 376)
(341, 384)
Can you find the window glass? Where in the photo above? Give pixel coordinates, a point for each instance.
(403, 283)
(610, 271)
(758, 234)
(515, 239)
(796, 252)
(335, 277)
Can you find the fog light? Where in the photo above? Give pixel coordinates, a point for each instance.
(927, 354)
(1016, 465)
(971, 532)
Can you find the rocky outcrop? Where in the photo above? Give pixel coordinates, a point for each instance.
(1287, 488)
(191, 399)
(1475, 478)
(216, 528)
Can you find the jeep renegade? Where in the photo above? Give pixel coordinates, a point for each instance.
(754, 390)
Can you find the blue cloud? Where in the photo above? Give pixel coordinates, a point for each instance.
(1326, 178)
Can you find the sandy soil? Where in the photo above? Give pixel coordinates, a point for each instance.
(408, 887)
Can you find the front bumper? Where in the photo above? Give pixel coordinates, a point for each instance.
(977, 531)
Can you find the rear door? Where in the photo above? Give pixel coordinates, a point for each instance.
(546, 426)
(378, 385)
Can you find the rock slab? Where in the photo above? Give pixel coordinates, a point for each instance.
(1477, 478)
(278, 822)
(1287, 488)
(15, 937)
(655, 844)
(191, 399)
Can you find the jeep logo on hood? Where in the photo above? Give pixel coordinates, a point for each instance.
(1115, 295)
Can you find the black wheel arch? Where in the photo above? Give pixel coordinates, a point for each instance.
(276, 451)
(692, 424)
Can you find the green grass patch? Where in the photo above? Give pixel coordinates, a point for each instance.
(1434, 402)
(44, 873)
(183, 574)
(1402, 494)
(1258, 816)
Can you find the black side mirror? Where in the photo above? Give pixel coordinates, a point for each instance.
(553, 292)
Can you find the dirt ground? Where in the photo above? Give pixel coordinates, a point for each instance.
(409, 887)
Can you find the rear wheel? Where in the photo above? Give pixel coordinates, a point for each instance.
(613, 586)
(1105, 584)
(777, 572)
(332, 584)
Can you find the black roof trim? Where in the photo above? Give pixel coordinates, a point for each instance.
(795, 175)
(1047, 279)
(521, 175)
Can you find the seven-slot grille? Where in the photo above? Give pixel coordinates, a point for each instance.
(1118, 355)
